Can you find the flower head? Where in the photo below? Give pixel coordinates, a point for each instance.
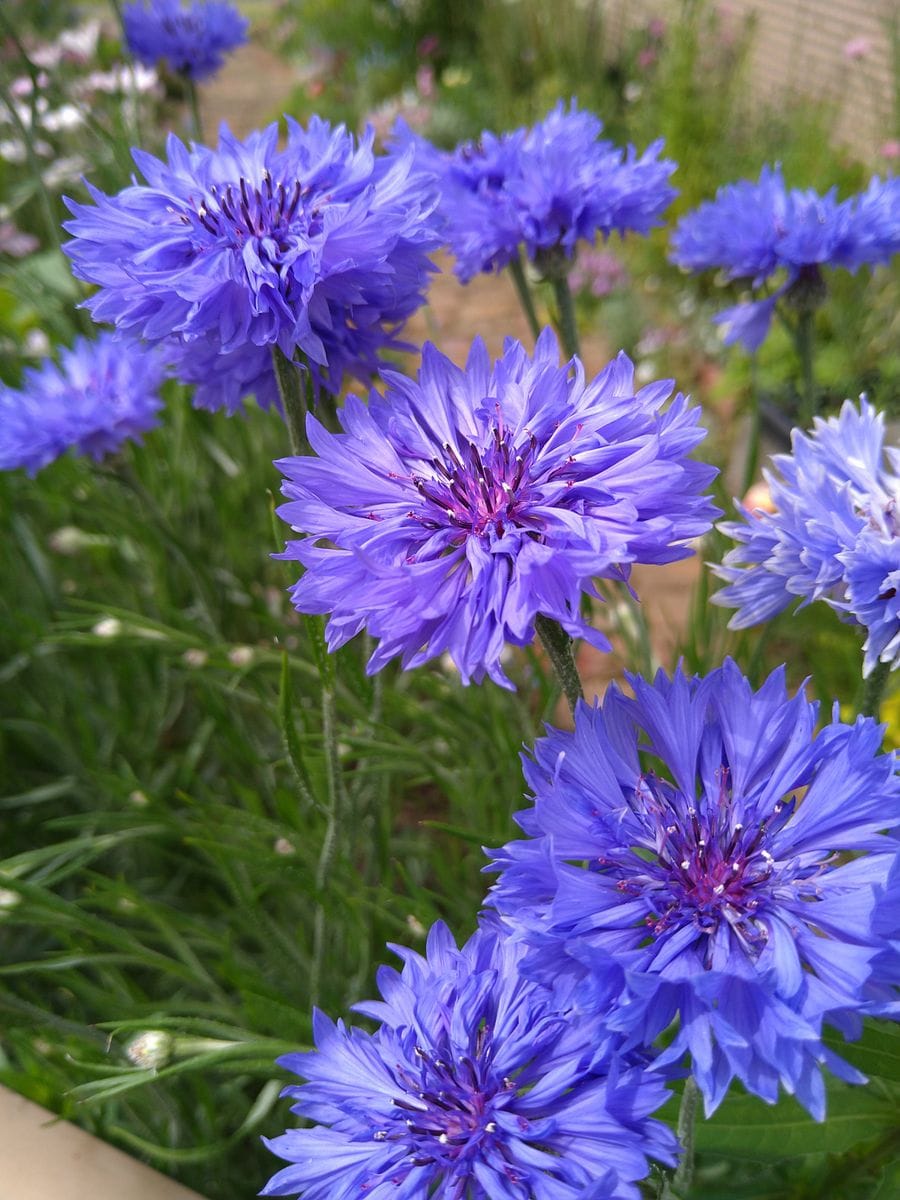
(546, 188)
(834, 534)
(456, 508)
(192, 39)
(318, 248)
(682, 861)
(474, 1085)
(752, 230)
(101, 394)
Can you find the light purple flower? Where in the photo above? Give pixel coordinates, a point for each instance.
(754, 230)
(191, 38)
(671, 870)
(320, 248)
(456, 508)
(102, 393)
(474, 1084)
(834, 534)
(545, 189)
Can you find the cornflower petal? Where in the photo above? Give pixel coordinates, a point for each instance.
(101, 394)
(753, 230)
(191, 39)
(476, 1083)
(458, 507)
(683, 859)
(319, 248)
(547, 187)
(834, 534)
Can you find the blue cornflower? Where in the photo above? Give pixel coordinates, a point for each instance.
(673, 870)
(192, 40)
(754, 230)
(474, 1086)
(318, 248)
(834, 534)
(456, 508)
(544, 188)
(101, 394)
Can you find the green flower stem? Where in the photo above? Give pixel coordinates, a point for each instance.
(330, 841)
(751, 462)
(568, 327)
(873, 691)
(558, 645)
(687, 1117)
(555, 268)
(194, 101)
(517, 270)
(293, 399)
(804, 342)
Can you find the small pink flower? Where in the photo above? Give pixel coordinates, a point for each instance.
(14, 242)
(890, 149)
(857, 48)
(425, 81)
(646, 58)
(656, 29)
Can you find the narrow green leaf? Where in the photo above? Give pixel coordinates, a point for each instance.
(289, 733)
(466, 835)
(315, 631)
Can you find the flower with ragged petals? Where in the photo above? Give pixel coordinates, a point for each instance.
(834, 534)
(474, 1085)
(455, 509)
(101, 394)
(545, 188)
(686, 858)
(319, 248)
(191, 39)
(754, 230)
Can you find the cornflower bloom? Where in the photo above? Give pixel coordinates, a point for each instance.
(834, 534)
(544, 188)
(192, 40)
(474, 1085)
(319, 248)
(754, 230)
(684, 860)
(102, 393)
(456, 508)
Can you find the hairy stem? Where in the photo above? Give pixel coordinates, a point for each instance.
(329, 846)
(804, 343)
(568, 327)
(194, 102)
(293, 399)
(687, 1117)
(751, 462)
(517, 270)
(558, 645)
(873, 691)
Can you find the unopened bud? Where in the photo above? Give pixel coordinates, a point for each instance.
(151, 1049)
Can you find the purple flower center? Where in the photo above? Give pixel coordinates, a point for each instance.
(482, 493)
(699, 865)
(239, 211)
(448, 1109)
